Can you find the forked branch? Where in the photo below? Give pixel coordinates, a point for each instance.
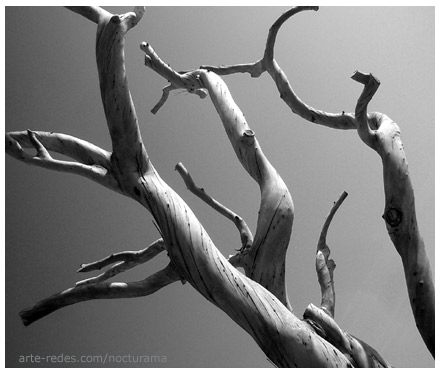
(268, 64)
(92, 161)
(100, 290)
(380, 133)
(178, 80)
(96, 288)
(264, 262)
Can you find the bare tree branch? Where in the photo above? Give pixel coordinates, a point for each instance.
(178, 80)
(271, 40)
(165, 93)
(383, 135)
(129, 157)
(268, 64)
(357, 351)
(400, 221)
(92, 13)
(87, 292)
(325, 266)
(97, 161)
(75, 148)
(120, 169)
(264, 262)
(245, 234)
(371, 84)
(124, 261)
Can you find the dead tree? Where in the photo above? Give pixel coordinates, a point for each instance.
(256, 299)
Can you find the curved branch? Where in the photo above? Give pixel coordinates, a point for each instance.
(245, 233)
(322, 239)
(272, 34)
(340, 120)
(325, 266)
(89, 292)
(380, 133)
(371, 84)
(383, 135)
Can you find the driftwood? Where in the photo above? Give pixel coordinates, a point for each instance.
(256, 300)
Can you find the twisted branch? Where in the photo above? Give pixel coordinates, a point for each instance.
(264, 262)
(380, 133)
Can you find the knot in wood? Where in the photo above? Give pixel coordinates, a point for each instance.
(115, 19)
(393, 216)
(248, 137)
(248, 133)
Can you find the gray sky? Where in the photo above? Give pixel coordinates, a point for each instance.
(54, 222)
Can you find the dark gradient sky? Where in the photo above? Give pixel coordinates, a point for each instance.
(55, 222)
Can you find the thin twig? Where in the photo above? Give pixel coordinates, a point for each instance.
(124, 261)
(99, 173)
(245, 233)
(178, 80)
(322, 240)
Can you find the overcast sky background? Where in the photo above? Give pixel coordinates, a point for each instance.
(55, 222)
